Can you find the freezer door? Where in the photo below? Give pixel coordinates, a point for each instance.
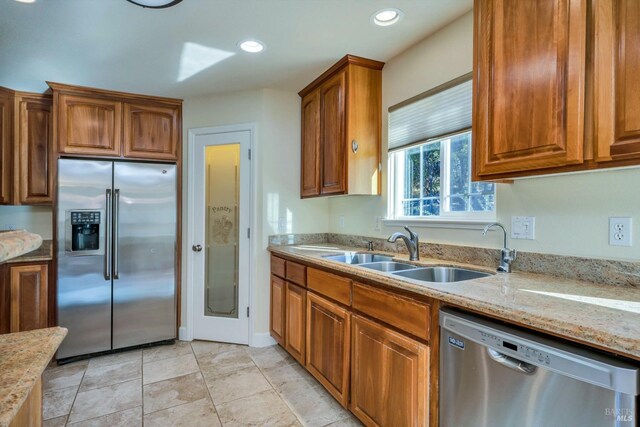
(144, 256)
(84, 286)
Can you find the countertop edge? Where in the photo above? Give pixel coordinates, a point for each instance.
(574, 332)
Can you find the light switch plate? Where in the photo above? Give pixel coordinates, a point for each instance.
(341, 221)
(620, 231)
(523, 227)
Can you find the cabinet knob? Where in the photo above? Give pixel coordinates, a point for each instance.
(354, 146)
(196, 248)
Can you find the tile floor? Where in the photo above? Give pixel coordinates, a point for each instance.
(189, 384)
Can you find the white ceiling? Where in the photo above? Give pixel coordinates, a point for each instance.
(114, 44)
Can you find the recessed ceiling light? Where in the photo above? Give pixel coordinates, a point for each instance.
(26, 1)
(251, 46)
(155, 4)
(386, 17)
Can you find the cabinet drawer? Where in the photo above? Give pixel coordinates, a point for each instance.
(277, 266)
(332, 286)
(296, 273)
(403, 313)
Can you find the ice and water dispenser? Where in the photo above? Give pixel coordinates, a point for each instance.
(83, 232)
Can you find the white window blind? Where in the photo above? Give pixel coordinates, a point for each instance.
(438, 112)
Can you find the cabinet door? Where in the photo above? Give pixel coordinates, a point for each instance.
(389, 376)
(277, 314)
(28, 297)
(616, 79)
(6, 149)
(35, 148)
(328, 345)
(529, 71)
(310, 152)
(90, 126)
(295, 310)
(151, 131)
(332, 143)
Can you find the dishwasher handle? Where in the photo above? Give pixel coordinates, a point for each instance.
(512, 362)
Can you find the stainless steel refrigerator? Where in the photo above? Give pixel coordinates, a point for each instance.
(116, 238)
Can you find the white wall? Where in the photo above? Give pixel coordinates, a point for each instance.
(36, 219)
(571, 210)
(279, 208)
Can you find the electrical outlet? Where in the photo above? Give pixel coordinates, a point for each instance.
(523, 227)
(378, 226)
(282, 225)
(341, 221)
(620, 231)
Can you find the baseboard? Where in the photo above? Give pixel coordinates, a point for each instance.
(262, 340)
(182, 334)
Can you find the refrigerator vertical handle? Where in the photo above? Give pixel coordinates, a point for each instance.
(116, 243)
(107, 252)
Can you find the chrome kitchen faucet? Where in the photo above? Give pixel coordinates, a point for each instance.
(507, 256)
(413, 245)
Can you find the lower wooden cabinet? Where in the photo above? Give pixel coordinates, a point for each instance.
(23, 297)
(295, 315)
(328, 345)
(277, 315)
(389, 376)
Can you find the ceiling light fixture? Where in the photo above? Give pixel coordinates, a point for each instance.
(26, 1)
(386, 17)
(154, 4)
(251, 46)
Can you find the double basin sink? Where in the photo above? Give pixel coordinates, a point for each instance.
(386, 264)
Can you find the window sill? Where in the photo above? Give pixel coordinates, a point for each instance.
(463, 224)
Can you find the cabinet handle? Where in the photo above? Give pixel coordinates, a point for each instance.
(354, 146)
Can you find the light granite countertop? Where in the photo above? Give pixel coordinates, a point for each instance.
(607, 317)
(43, 254)
(17, 242)
(23, 358)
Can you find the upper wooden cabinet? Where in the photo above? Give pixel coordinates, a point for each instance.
(529, 68)
(97, 122)
(341, 130)
(26, 152)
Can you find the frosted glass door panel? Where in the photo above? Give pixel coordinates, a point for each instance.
(222, 187)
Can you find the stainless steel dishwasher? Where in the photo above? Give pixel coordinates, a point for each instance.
(493, 375)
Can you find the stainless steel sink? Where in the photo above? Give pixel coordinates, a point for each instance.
(388, 266)
(441, 274)
(358, 258)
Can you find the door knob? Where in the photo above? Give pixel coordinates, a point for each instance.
(196, 248)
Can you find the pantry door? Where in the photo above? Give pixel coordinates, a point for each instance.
(221, 203)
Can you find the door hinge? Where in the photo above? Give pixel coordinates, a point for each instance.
(247, 311)
(249, 153)
(248, 233)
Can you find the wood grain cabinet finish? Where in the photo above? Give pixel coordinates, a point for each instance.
(277, 309)
(296, 273)
(529, 85)
(89, 125)
(35, 150)
(389, 376)
(328, 345)
(295, 314)
(329, 285)
(341, 130)
(25, 297)
(6, 146)
(278, 266)
(151, 131)
(616, 81)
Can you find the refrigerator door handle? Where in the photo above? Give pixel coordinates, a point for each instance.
(116, 214)
(107, 252)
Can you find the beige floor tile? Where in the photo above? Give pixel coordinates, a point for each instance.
(349, 421)
(204, 347)
(173, 392)
(128, 418)
(55, 422)
(113, 359)
(200, 413)
(169, 368)
(56, 403)
(313, 406)
(102, 376)
(289, 374)
(215, 365)
(161, 352)
(241, 383)
(106, 400)
(262, 409)
(63, 376)
(271, 357)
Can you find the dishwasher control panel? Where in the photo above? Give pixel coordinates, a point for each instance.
(515, 349)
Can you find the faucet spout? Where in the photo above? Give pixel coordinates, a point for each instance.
(507, 256)
(412, 243)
